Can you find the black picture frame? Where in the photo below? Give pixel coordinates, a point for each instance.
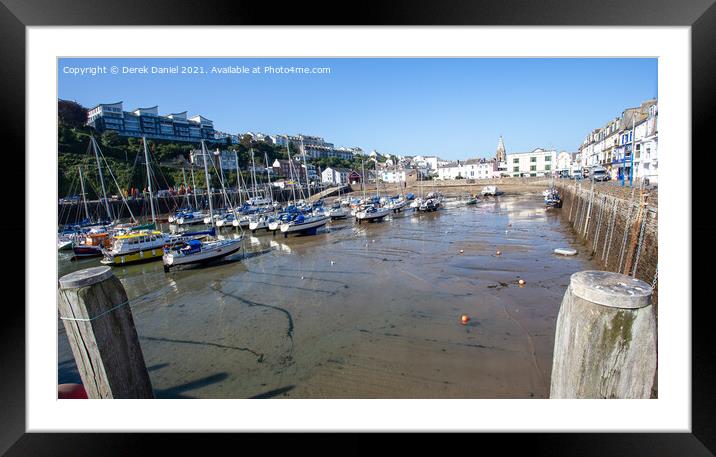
(700, 15)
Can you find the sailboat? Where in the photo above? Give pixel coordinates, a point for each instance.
(371, 210)
(397, 203)
(98, 237)
(304, 224)
(142, 245)
(196, 251)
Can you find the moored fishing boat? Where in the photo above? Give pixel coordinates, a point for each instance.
(91, 244)
(552, 198)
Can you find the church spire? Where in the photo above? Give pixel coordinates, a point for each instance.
(501, 152)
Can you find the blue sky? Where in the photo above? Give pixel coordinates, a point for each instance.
(454, 108)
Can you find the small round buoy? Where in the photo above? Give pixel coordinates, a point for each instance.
(565, 251)
(464, 319)
(332, 262)
(521, 282)
(498, 253)
(372, 241)
(301, 277)
(461, 251)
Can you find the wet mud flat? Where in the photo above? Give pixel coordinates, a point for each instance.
(362, 311)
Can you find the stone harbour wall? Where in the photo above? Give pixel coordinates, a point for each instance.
(618, 225)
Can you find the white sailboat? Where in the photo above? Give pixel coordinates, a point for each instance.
(372, 213)
(303, 224)
(196, 251)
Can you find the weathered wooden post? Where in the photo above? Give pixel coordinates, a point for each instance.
(605, 342)
(95, 311)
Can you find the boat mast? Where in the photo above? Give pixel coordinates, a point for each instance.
(208, 186)
(149, 181)
(84, 199)
(238, 177)
(193, 188)
(221, 178)
(101, 177)
(253, 171)
(362, 166)
(290, 170)
(268, 176)
(303, 152)
(186, 194)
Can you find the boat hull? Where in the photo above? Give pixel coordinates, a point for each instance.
(87, 251)
(209, 255)
(303, 228)
(376, 216)
(145, 255)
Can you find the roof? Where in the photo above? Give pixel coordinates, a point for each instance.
(136, 235)
(105, 104)
(338, 169)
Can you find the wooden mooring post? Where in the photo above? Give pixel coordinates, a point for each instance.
(605, 341)
(96, 314)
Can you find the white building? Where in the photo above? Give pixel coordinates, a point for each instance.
(393, 176)
(429, 162)
(539, 162)
(469, 169)
(226, 160)
(335, 175)
(564, 161)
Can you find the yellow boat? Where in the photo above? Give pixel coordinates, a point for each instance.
(136, 247)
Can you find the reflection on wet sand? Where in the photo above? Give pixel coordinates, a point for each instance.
(369, 311)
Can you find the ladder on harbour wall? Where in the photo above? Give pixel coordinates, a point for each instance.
(595, 215)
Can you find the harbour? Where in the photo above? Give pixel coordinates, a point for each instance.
(366, 310)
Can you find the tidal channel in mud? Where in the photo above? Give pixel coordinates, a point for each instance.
(361, 311)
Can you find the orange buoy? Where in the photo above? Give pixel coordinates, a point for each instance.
(464, 319)
(521, 282)
(498, 253)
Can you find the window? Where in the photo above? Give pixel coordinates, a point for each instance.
(548, 158)
(533, 159)
(547, 167)
(515, 168)
(515, 160)
(533, 175)
(533, 167)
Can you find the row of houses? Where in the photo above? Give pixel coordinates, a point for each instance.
(627, 146)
